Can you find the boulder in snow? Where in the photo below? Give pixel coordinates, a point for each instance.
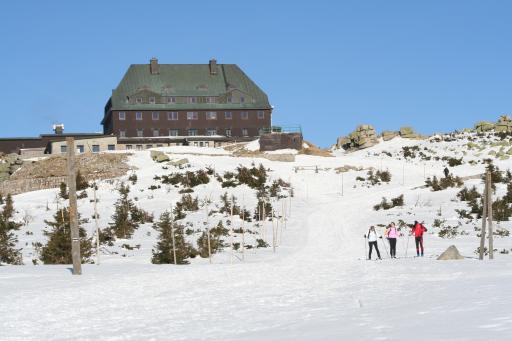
(451, 253)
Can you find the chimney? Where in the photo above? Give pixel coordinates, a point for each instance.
(213, 66)
(58, 129)
(153, 66)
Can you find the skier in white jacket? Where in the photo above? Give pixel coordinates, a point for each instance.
(372, 241)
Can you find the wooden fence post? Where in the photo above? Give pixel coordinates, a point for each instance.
(489, 214)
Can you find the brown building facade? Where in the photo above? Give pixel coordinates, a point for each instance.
(186, 100)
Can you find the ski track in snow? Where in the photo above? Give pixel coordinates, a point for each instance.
(314, 288)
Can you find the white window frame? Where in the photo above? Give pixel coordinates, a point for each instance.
(192, 115)
(192, 130)
(172, 115)
(153, 115)
(211, 115)
(228, 132)
(156, 132)
(94, 146)
(171, 131)
(139, 116)
(122, 116)
(171, 99)
(261, 114)
(152, 100)
(246, 131)
(191, 100)
(138, 100)
(226, 115)
(122, 133)
(141, 131)
(244, 115)
(211, 131)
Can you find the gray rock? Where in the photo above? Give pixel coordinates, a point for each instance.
(451, 253)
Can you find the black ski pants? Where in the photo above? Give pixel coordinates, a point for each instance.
(392, 247)
(372, 245)
(419, 245)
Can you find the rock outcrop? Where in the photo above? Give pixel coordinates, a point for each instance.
(484, 126)
(504, 124)
(409, 133)
(8, 165)
(388, 135)
(363, 137)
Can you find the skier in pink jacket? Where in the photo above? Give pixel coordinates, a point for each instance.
(392, 235)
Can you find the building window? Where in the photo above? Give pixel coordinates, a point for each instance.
(172, 116)
(230, 99)
(159, 145)
(138, 116)
(192, 115)
(122, 133)
(155, 115)
(174, 132)
(245, 132)
(261, 114)
(149, 146)
(211, 131)
(140, 132)
(138, 100)
(211, 115)
(191, 100)
(80, 148)
(64, 149)
(171, 99)
(111, 147)
(228, 132)
(156, 133)
(122, 116)
(138, 147)
(129, 147)
(151, 100)
(244, 115)
(242, 99)
(95, 148)
(228, 115)
(192, 132)
(211, 100)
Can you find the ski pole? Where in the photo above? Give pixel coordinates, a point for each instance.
(407, 246)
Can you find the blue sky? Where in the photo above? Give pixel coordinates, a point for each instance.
(326, 65)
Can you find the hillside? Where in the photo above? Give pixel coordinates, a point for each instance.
(315, 286)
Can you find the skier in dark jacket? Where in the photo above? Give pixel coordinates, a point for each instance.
(446, 172)
(418, 231)
(372, 241)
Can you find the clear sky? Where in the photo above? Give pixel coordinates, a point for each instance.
(326, 65)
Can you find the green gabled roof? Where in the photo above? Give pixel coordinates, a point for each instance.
(184, 80)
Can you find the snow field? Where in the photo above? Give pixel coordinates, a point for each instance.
(313, 288)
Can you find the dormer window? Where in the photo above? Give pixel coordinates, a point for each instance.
(138, 100)
(242, 99)
(230, 99)
(211, 99)
(171, 99)
(191, 100)
(151, 100)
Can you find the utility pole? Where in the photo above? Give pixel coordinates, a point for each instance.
(231, 233)
(243, 234)
(208, 234)
(173, 241)
(484, 220)
(489, 214)
(97, 227)
(73, 212)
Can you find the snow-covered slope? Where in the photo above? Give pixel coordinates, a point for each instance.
(314, 287)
